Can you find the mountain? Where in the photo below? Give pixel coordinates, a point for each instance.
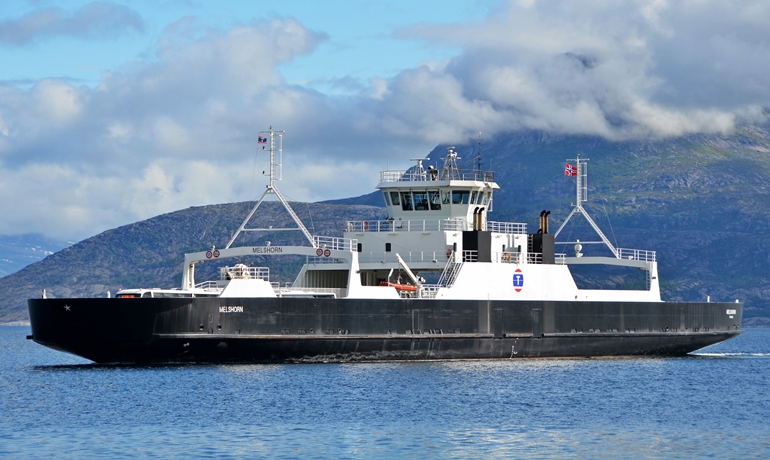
(700, 201)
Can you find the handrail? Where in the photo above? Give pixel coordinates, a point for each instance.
(410, 256)
(399, 225)
(414, 175)
(636, 254)
(334, 243)
(515, 228)
(244, 272)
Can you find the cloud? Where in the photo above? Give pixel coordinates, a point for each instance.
(94, 20)
(615, 69)
(179, 129)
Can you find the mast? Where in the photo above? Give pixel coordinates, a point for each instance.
(275, 140)
(581, 195)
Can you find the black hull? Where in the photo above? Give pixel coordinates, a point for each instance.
(258, 330)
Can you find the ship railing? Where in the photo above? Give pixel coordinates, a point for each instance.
(636, 254)
(310, 291)
(335, 243)
(207, 285)
(429, 291)
(510, 257)
(398, 225)
(515, 228)
(408, 257)
(534, 257)
(417, 175)
(244, 272)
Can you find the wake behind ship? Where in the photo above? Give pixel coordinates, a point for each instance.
(496, 291)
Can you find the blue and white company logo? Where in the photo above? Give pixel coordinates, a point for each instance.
(518, 280)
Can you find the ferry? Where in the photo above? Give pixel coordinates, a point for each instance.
(434, 280)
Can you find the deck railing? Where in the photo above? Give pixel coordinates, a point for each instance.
(431, 225)
(437, 257)
(515, 228)
(636, 254)
(244, 272)
(334, 243)
(416, 175)
(398, 225)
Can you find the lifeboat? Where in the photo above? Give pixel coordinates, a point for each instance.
(399, 287)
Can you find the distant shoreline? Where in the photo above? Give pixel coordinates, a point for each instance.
(16, 323)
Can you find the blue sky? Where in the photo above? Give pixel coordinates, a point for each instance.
(116, 111)
(360, 43)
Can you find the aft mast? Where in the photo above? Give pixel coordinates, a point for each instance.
(580, 173)
(275, 138)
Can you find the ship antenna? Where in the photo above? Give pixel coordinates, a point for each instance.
(580, 172)
(275, 138)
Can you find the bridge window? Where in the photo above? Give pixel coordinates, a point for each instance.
(460, 196)
(486, 198)
(394, 197)
(479, 198)
(473, 197)
(387, 200)
(406, 201)
(435, 201)
(445, 197)
(420, 201)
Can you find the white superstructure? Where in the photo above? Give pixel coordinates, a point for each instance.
(437, 229)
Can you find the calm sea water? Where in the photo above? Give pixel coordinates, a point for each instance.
(716, 403)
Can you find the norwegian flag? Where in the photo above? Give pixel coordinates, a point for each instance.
(570, 170)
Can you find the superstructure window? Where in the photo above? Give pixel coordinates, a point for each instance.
(478, 199)
(394, 197)
(435, 200)
(460, 196)
(420, 201)
(445, 196)
(406, 201)
(486, 198)
(387, 200)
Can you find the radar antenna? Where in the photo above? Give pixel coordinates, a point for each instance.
(580, 172)
(450, 170)
(275, 138)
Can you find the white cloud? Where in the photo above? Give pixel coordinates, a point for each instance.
(96, 19)
(57, 102)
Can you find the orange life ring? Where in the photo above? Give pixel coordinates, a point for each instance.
(448, 253)
(506, 256)
(366, 225)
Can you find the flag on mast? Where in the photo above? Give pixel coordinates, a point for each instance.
(570, 170)
(261, 140)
